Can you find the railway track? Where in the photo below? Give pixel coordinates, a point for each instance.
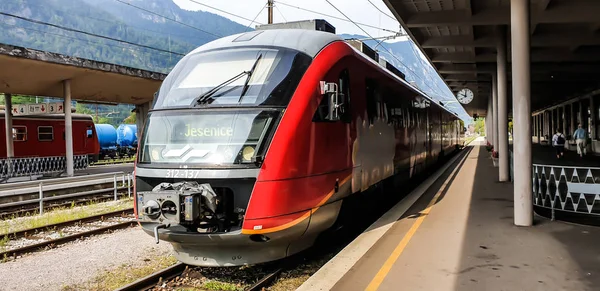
(165, 275)
(43, 243)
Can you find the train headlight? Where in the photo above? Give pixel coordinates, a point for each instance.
(247, 153)
(156, 154)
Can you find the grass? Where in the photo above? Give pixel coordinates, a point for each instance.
(220, 286)
(112, 161)
(3, 241)
(59, 215)
(124, 274)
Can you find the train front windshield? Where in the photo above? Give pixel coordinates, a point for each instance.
(234, 77)
(206, 137)
(219, 108)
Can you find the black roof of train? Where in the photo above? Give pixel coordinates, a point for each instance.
(61, 116)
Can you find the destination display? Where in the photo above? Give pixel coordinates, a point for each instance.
(38, 108)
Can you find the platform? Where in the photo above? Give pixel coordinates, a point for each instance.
(459, 235)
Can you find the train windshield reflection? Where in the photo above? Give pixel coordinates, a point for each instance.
(206, 137)
(276, 74)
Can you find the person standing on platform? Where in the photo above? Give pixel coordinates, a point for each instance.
(558, 141)
(580, 139)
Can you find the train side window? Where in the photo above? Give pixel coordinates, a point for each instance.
(19, 133)
(371, 100)
(45, 133)
(345, 95)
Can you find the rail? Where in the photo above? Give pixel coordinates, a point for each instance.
(65, 183)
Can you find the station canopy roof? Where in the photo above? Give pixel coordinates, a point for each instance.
(460, 38)
(38, 73)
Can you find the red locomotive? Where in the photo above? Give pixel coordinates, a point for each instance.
(256, 141)
(44, 136)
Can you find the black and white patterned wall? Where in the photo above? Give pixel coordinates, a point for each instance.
(572, 189)
(17, 167)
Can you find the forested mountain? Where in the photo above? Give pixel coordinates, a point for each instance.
(116, 20)
(112, 19)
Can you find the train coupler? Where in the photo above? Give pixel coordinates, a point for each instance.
(156, 228)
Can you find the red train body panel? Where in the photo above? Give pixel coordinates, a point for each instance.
(43, 136)
(387, 131)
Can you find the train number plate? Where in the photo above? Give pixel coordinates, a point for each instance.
(185, 174)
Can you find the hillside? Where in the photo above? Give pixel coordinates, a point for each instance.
(116, 20)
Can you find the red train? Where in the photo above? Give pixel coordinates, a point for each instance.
(277, 128)
(44, 136)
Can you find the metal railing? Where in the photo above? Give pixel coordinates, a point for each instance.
(68, 183)
(30, 166)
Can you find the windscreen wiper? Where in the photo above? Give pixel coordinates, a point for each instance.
(246, 86)
(204, 96)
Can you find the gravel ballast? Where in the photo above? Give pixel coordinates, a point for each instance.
(79, 261)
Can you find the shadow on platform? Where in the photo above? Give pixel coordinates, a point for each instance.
(497, 255)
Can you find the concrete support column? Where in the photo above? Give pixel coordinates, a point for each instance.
(503, 167)
(552, 122)
(593, 118)
(495, 110)
(489, 121)
(538, 127)
(573, 124)
(10, 153)
(523, 184)
(68, 127)
(563, 117)
(580, 114)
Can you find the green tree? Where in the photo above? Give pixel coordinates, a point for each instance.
(80, 108)
(131, 119)
(480, 126)
(18, 99)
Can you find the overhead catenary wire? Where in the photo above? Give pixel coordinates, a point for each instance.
(223, 11)
(111, 21)
(393, 18)
(87, 33)
(416, 53)
(69, 37)
(335, 17)
(257, 14)
(390, 53)
(171, 19)
(280, 13)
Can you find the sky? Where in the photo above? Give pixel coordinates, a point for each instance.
(374, 13)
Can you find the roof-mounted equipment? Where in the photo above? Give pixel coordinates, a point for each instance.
(364, 48)
(315, 24)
